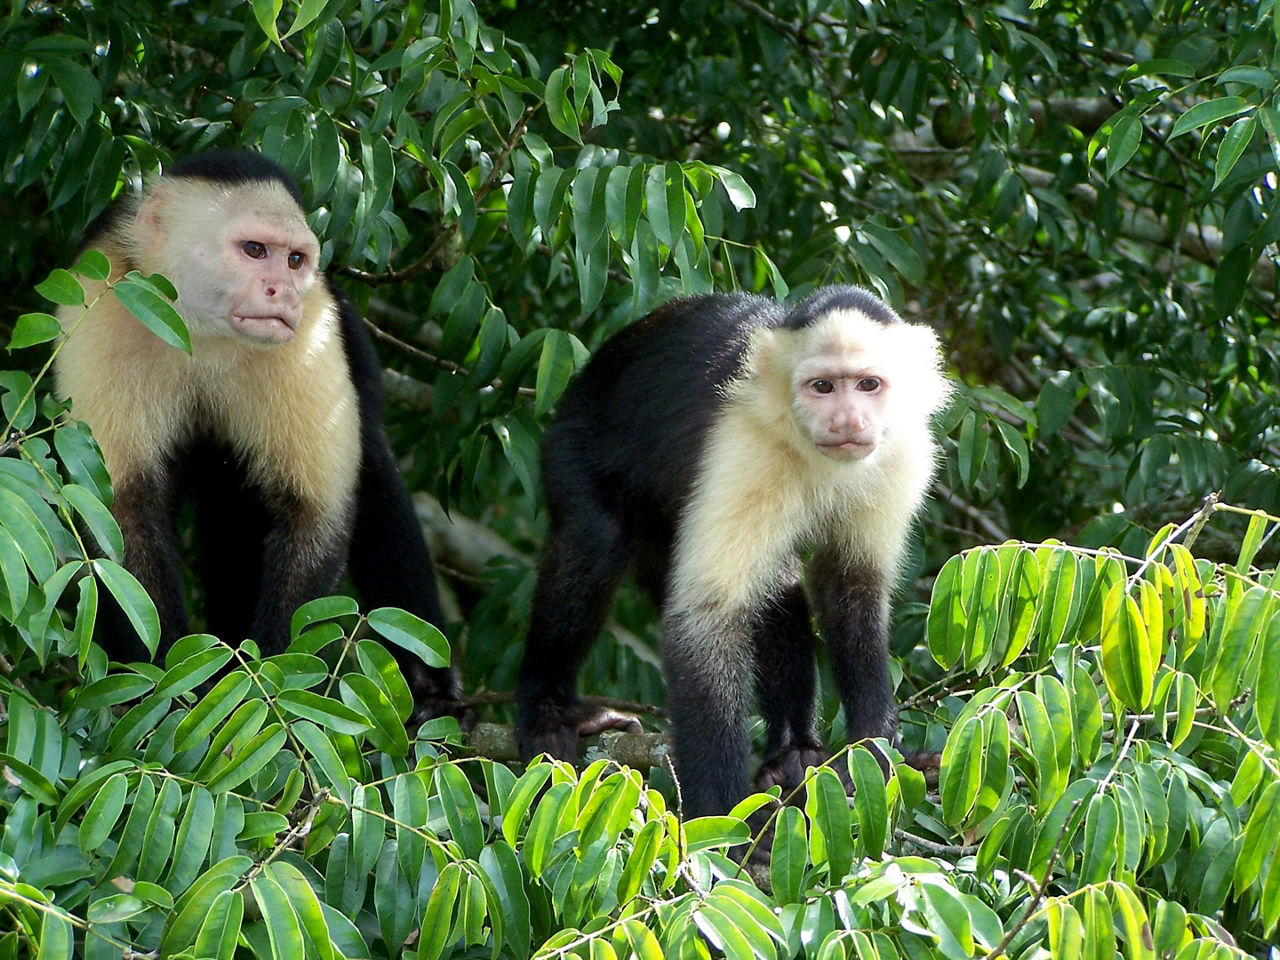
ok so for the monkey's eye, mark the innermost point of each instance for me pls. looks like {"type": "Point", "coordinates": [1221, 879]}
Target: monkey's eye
{"type": "Point", "coordinates": [869, 384]}
{"type": "Point", "coordinates": [296, 260]}
{"type": "Point", "coordinates": [822, 386]}
{"type": "Point", "coordinates": [254, 249]}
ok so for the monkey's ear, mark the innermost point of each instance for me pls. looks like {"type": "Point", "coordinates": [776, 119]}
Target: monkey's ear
{"type": "Point", "coordinates": [150, 224]}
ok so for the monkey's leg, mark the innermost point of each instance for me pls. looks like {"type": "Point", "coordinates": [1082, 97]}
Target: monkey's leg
{"type": "Point", "coordinates": [302, 558]}
{"type": "Point", "coordinates": [143, 508]}
{"type": "Point", "coordinates": [707, 661]}
{"type": "Point", "coordinates": [852, 598]}
{"type": "Point", "coordinates": [391, 567]}
{"type": "Point", "coordinates": [787, 684]}
{"type": "Point", "coordinates": [582, 562]}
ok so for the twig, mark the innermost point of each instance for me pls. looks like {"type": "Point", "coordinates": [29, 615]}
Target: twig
{"type": "Point", "coordinates": [440, 362]}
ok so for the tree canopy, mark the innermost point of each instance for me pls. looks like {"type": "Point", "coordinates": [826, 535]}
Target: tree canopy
{"type": "Point", "coordinates": [1082, 200]}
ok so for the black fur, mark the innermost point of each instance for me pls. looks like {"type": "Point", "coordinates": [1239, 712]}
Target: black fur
{"type": "Point", "coordinates": [618, 466]}
{"type": "Point", "coordinates": [234, 166]}
{"type": "Point", "coordinates": [839, 297]}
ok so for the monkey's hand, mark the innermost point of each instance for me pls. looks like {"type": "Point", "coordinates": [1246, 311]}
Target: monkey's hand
{"type": "Point", "coordinates": [556, 728]}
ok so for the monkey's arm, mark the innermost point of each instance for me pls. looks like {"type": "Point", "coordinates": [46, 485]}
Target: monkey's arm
{"type": "Point", "coordinates": [143, 508]}
{"type": "Point", "coordinates": [707, 661]}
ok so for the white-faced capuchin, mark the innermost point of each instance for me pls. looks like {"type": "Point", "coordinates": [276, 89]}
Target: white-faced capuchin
{"type": "Point", "coordinates": [706, 448]}
{"type": "Point", "coordinates": [271, 428]}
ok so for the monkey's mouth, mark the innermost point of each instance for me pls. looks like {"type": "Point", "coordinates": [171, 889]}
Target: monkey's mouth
{"type": "Point", "coordinates": [847, 449]}
{"type": "Point", "coordinates": [273, 329]}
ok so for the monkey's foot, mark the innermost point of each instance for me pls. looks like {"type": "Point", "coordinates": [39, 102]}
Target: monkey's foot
{"type": "Point", "coordinates": [786, 767]}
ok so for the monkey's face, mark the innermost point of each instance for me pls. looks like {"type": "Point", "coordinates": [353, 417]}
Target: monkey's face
{"type": "Point", "coordinates": [260, 269]}
{"type": "Point", "coordinates": [839, 407]}
{"type": "Point", "coordinates": [243, 262]}
{"type": "Point", "coordinates": [271, 266]}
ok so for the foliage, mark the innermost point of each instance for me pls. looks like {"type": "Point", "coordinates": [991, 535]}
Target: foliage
{"type": "Point", "coordinates": [1082, 198]}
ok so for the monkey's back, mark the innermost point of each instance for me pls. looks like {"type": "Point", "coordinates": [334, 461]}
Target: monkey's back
{"type": "Point", "coordinates": [637, 416]}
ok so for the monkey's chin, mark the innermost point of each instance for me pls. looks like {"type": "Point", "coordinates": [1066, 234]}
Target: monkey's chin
{"type": "Point", "coordinates": [846, 452]}
{"type": "Point", "coordinates": [263, 329]}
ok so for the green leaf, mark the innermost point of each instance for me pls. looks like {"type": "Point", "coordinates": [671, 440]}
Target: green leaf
{"type": "Point", "coordinates": [412, 633]}
{"type": "Point", "coordinates": [870, 802]}
{"type": "Point", "coordinates": [945, 627]}
{"type": "Point", "coordinates": [113, 689]}
{"type": "Point", "coordinates": [92, 264]}
{"type": "Point", "coordinates": [961, 773]}
{"type": "Point", "coordinates": [80, 89]}
{"type": "Point", "coordinates": [1207, 112]}
{"type": "Point", "coordinates": [1056, 404]}
{"type": "Point", "coordinates": [148, 299]}
{"type": "Point", "coordinates": [554, 369]}
{"type": "Point", "coordinates": [1038, 728]}
{"type": "Point", "coordinates": [948, 919]}
{"type": "Point", "coordinates": [897, 251]}
{"type": "Point", "coordinates": [828, 811]}
{"type": "Point", "coordinates": [1234, 142]}
{"type": "Point", "coordinates": [387, 732]}
{"type": "Point", "coordinates": [62, 288]}
{"type": "Point", "coordinates": [103, 812]}
{"type": "Point", "coordinates": [211, 709]}
{"type": "Point", "coordinates": [460, 809]}
{"type": "Point", "coordinates": [133, 599]}
{"type": "Point", "coordinates": [82, 459]}
{"type": "Point", "coordinates": [1261, 836]}
{"type": "Point", "coordinates": [1066, 930]}
{"type": "Point", "coordinates": [29, 780]}
{"type": "Point", "coordinates": [249, 759]}
{"type": "Point", "coordinates": [740, 193]}
{"type": "Point", "coordinates": [28, 534]}
{"type": "Point", "coordinates": [1267, 695]}
{"type": "Point", "coordinates": [378, 664]}
{"type": "Point", "coordinates": [328, 713]}
{"type": "Point", "coordinates": [438, 916]}
{"type": "Point", "coordinates": [56, 936]}
{"type": "Point", "coordinates": [305, 906]}
{"type": "Point", "coordinates": [220, 929]}
{"type": "Point", "coordinates": [307, 13]}
{"type": "Point", "coordinates": [664, 200]}
{"type": "Point", "coordinates": [283, 928]}
{"type": "Point", "coordinates": [319, 610]}
{"type": "Point", "coordinates": [189, 673]}
{"type": "Point", "coordinates": [1246, 621]}
{"type": "Point", "coordinates": [195, 831]}
{"type": "Point", "coordinates": [1101, 837]}
{"type": "Point", "coordinates": [1126, 137]}
{"type": "Point", "coordinates": [97, 518]}
{"type": "Point", "coordinates": [560, 108]}
{"type": "Point", "coordinates": [526, 790]}
{"type": "Point", "coordinates": [33, 328]}
{"type": "Point", "coordinates": [1127, 663]}
{"type": "Point", "coordinates": [266, 12]}
{"type": "Point", "coordinates": [331, 770]}
{"type": "Point", "coordinates": [724, 933]}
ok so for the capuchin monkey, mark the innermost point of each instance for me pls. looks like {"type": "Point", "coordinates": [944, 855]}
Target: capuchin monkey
{"type": "Point", "coordinates": [271, 428]}
{"type": "Point", "coordinates": [707, 448]}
